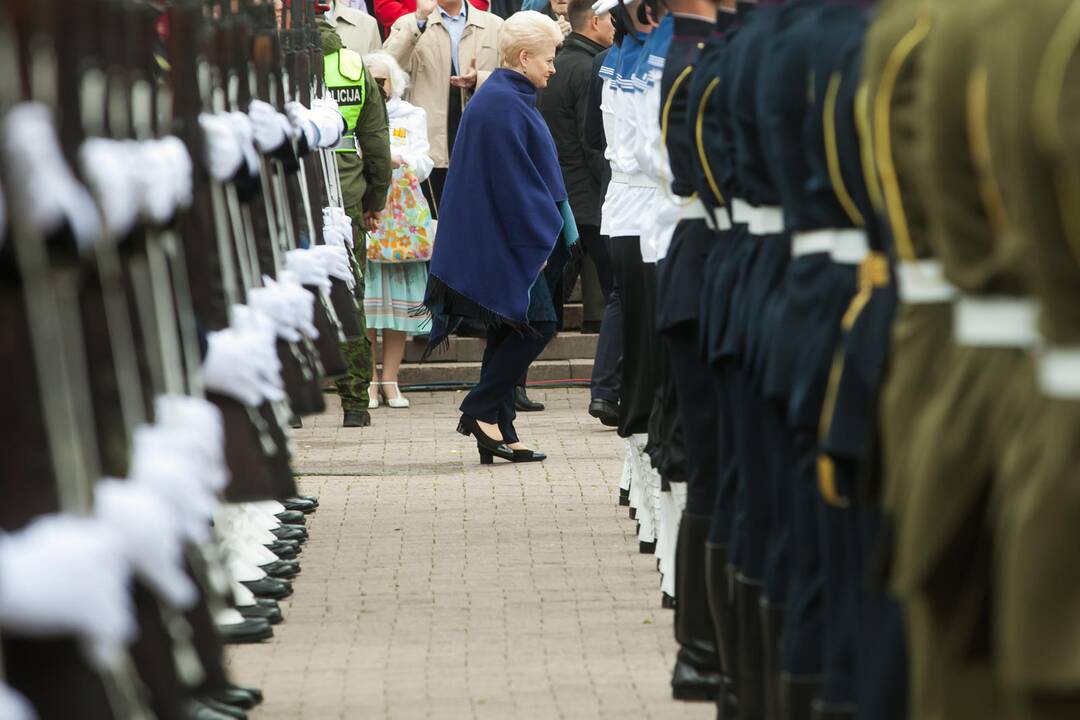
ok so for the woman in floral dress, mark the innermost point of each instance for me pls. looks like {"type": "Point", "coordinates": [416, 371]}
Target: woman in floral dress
{"type": "Point", "coordinates": [398, 251]}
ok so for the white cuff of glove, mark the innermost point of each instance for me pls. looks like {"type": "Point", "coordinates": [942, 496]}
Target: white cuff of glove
{"type": "Point", "coordinates": [153, 539]}
{"type": "Point", "coordinates": [48, 191]}
{"type": "Point", "coordinates": [63, 575]}
{"type": "Point", "coordinates": [222, 155]}
{"type": "Point", "coordinates": [307, 268]}
{"type": "Point", "coordinates": [165, 465]}
{"type": "Point", "coordinates": [268, 131]}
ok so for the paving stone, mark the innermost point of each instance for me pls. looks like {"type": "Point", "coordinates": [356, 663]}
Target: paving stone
{"type": "Point", "coordinates": [434, 587]}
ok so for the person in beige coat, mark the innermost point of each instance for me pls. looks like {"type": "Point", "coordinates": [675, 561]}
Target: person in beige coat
{"type": "Point", "coordinates": [359, 31]}
{"type": "Point", "coordinates": [448, 48]}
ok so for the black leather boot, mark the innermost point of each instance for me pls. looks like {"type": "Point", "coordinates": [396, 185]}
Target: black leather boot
{"type": "Point", "coordinates": [772, 627]}
{"type": "Point", "coordinates": [356, 418]}
{"type": "Point", "coordinates": [798, 696]}
{"type": "Point", "coordinates": [522, 402]}
{"type": "Point", "coordinates": [696, 676]}
{"type": "Point", "coordinates": [722, 611]}
{"type": "Point", "coordinates": [751, 679]}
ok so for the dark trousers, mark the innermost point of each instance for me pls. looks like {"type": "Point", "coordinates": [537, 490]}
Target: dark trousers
{"type": "Point", "coordinates": [507, 356]}
{"type": "Point", "coordinates": [700, 421]}
{"type": "Point", "coordinates": [606, 374]}
{"type": "Point", "coordinates": [638, 386]}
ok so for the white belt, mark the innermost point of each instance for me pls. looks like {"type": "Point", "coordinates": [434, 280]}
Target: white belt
{"type": "Point", "coordinates": [808, 243]}
{"type": "Point", "coordinates": [1000, 321]}
{"type": "Point", "coordinates": [721, 220]}
{"type": "Point", "coordinates": [741, 210]}
{"type": "Point", "coordinates": [1059, 372]}
{"type": "Point", "coordinates": [850, 246]}
{"type": "Point", "coordinates": [766, 220]}
{"type": "Point", "coordinates": [633, 180]}
{"type": "Point", "coordinates": [922, 282]}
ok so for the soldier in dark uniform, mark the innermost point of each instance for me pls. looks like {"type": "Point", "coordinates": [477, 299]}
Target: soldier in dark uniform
{"type": "Point", "coordinates": [706, 130]}
{"type": "Point", "coordinates": [680, 277]}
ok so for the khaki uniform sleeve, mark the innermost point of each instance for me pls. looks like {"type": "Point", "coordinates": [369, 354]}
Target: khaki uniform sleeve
{"type": "Point", "coordinates": [373, 138]}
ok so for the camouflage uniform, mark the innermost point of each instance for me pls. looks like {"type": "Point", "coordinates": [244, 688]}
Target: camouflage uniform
{"type": "Point", "coordinates": [365, 179]}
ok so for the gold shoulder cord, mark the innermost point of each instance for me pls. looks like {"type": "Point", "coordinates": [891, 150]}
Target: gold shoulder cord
{"type": "Point", "coordinates": [699, 136]}
{"type": "Point", "coordinates": [866, 146]}
{"type": "Point", "coordinates": [894, 201]}
{"type": "Point", "coordinates": [979, 142]}
{"type": "Point", "coordinates": [664, 119]}
{"type": "Point", "coordinates": [832, 154]}
{"type": "Point", "coordinates": [1049, 87]}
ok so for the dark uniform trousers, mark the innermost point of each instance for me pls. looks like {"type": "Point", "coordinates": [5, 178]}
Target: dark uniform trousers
{"type": "Point", "coordinates": [639, 378]}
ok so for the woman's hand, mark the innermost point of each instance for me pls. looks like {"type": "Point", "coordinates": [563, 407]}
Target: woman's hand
{"type": "Point", "coordinates": [397, 160]}
{"type": "Point", "coordinates": [371, 221]}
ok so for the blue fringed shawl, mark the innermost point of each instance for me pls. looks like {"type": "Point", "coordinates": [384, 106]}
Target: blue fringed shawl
{"type": "Point", "coordinates": [501, 213]}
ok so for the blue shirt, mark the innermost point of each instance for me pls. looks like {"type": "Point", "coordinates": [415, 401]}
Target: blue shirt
{"type": "Point", "coordinates": [455, 25]}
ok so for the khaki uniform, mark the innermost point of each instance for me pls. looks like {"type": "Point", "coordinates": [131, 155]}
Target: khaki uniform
{"type": "Point", "coordinates": [1031, 112]}
{"type": "Point", "coordinates": [971, 462]}
{"type": "Point", "coordinates": [891, 117]}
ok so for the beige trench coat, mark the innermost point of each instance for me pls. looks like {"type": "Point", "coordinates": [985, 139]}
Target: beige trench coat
{"type": "Point", "coordinates": [426, 57]}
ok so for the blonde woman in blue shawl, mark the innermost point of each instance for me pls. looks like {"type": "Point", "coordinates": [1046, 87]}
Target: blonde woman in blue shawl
{"type": "Point", "coordinates": [505, 231]}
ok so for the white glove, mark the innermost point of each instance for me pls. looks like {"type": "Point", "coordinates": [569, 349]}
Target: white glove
{"type": "Point", "coordinates": [301, 302]}
{"type": "Point", "coordinates": [14, 706]}
{"type": "Point", "coordinates": [307, 268]}
{"type": "Point", "coordinates": [302, 119]}
{"type": "Point", "coordinates": [153, 537]}
{"type": "Point", "coordinates": [178, 159]}
{"type": "Point", "coordinates": [64, 575]}
{"type": "Point", "coordinates": [166, 466]}
{"type": "Point", "coordinates": [222, 154]}
{"type": "Point", "coordinates": [245, 136]}
{"type": "Point", "coordinates": [272, 302]}
{"type": "Point", "coordinates": [331, 124]}
{"type": "Point", "coordinates": [197, 423]}
{"type": "Point", "coordinates": [269, 133]}
{"type": "Point", "coordinates": [239, 365]}
{"type": "Point", "coordinates": [335, 217]}
{"type": "Point", "coordinates": [108, 166]}
{"type": "Point", "coordinates": [48, 191]}
{"type": "Point", "coordinates": [155, 180]}
{"type": "Point", "coordinates": [335, 260]}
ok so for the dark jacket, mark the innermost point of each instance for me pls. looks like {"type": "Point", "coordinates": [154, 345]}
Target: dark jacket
{"type": "Point", "coordinates": [563, 105]}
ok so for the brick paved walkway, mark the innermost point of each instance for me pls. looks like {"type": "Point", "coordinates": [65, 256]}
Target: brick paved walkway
{"type": "Point", "coordinates": [433, 587]}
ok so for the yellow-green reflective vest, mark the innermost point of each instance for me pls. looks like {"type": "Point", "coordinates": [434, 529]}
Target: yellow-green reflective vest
{"type": "Point", "coordinates": [344, 77]}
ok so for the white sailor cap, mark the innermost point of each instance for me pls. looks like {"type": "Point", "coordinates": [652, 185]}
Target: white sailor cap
{"type": "Point", "coordinates": [603, 7]}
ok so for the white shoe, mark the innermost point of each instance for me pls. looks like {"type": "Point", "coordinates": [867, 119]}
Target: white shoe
{"type": "Point", "coordinates": [400, 401]}
{"type": "Point", "coordinates": [373, 395]}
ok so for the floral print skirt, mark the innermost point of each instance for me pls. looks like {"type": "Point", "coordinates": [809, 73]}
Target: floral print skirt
{"type": "Point", "coordinates": [392, 290]}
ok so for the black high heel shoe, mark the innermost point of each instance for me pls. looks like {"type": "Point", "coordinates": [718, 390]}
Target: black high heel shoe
{"type": "Point", "coordinates": [488, 447]}
{"type": "Point", "coordinates": [528, 456]}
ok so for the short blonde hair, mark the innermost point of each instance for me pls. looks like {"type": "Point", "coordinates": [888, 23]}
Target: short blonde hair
{"type": "Point", "coordinates": [399, 79]}
{"type": "Point", "coordinates": [526, 31]}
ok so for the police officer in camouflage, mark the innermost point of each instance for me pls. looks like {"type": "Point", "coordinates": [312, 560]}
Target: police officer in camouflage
{"type": "Point", "coordinates": [364, 166]}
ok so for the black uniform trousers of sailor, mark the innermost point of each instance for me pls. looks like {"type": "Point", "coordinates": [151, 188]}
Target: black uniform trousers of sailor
{"type": "Point", "coordinates": [639, 377]}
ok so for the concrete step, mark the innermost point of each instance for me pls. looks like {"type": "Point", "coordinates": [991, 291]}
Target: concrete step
{"type": "Point", "coordinates": [565, 346]}
{"type": "Point", "coordinates": [469, 372]}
